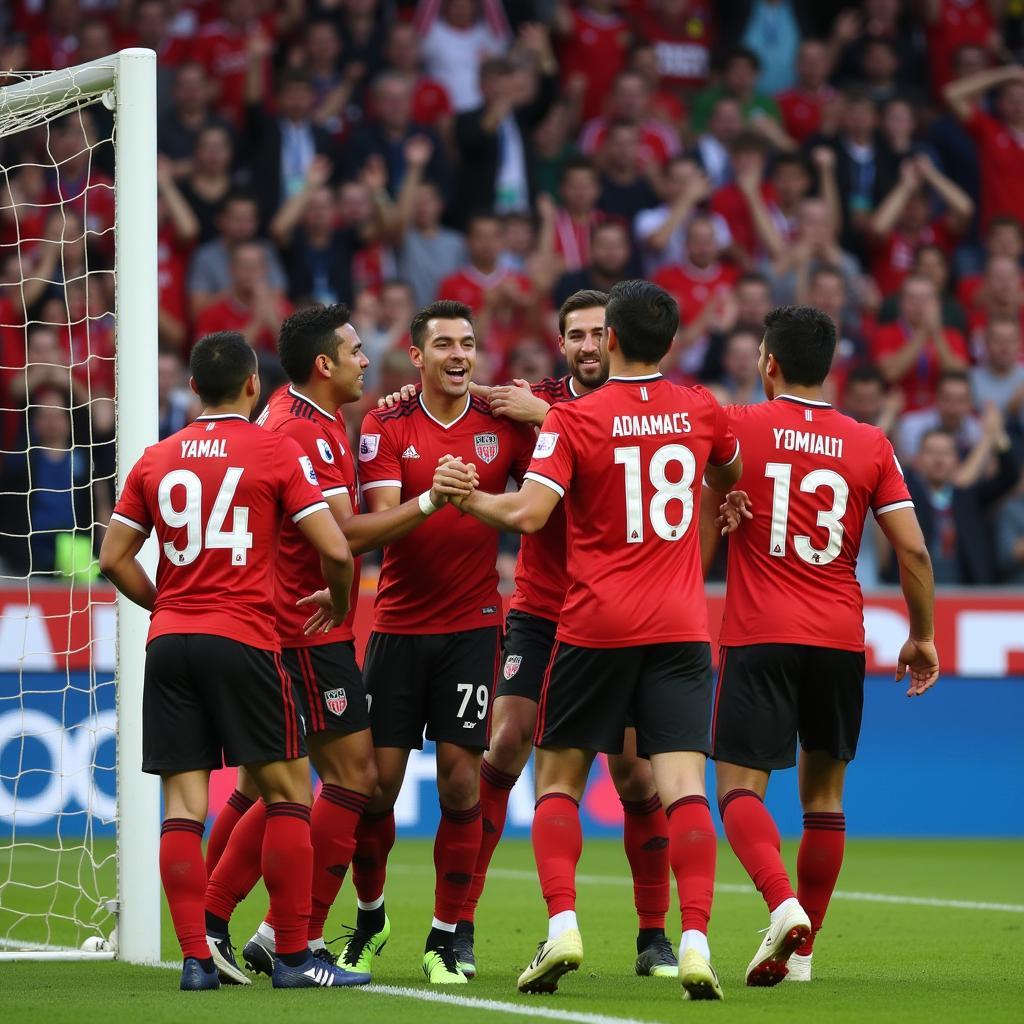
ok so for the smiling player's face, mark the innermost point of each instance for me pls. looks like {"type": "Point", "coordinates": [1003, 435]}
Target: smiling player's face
{"type": "Point", "coordinates": [448, 356]}
{"type": "Point", "coordinates": [583, 344]}
{"type": "Point", "coordinates": [350, 365]}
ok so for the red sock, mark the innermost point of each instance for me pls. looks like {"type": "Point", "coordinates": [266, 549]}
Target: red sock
{"type": "Point", "coordinates": [755, 840]}
{"type": "Point", "coordinates": [817, 866]}
{"type": "Point", "coordinates": [692, 849]}
{"type": "Point", "coordinates": [495, 787]}
{"type": "Point", "coordinates": [557, 845]}
{"type": "Point", "coordinates": [456, 849]}
{"type": "Point", "coordinates": [288, 873]}
{"type": "Point", "coordinates": [645, 837]}
{"type": "Point", "coordinates": [336, 813]}
{"type": "Point", "coordinates": [375, 835]}
{"type": "Point", "coordinates": [239, 868]}
{"type": "Point", "coordinates": [183, 874]}
{"type": "Point", "coordinates": [223, 825]}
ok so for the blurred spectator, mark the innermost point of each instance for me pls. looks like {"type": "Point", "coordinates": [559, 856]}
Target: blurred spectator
{"type": "Point", "coordinates": [57, 44]}
{"type": "Point", "coordinates": [681, 33]}
{"type": "Point", "coordinates": [383, 325]}
{"type": "Point", "coordinates": [576, 218]}
{"type": "Point", "coordinates": [209, 178]}
{"type": "Point", "coordinates": [625, 178]}
{"type": "Point", "coordinates": [772, 32]}
{"type": "Point", "coordinates": [661, 231]}
{"type": "Point", "coordinates": [952, 413]}
{"type": "Point", "coordinates": [333, 88]}
{"type": "Point", "coordinates": [713, 146]}
{"type": "Point", "coordinates": [431, 104]}
{"type": "Point", "coordinates": [866, 399]}
{"type": "Point", "coordinates": [177, 405]}
{"type": "Point", "coordinates": [551, 150]}
{"type": "Point", "coordinates": [803, 106]}
{"type": "Point", "coordinates": [740, 72]}
{"type": "Point", "coordinates": [427, 252]}
{"type": "Point", "coordinates": [389, 129]}
{"type": "Point", "coordinates": [630, 103]}
{"type": "Point", "coordinates": [878, 19]}
{"type": "Point", "coordinates": [932, 262]}
{"type": "Point", "coordinates": [491, 138]}
{"type": "Point", "coordinates": [1001, 296]}
{"type": "Point", "coordinates": [457, 40]}
{"type": "Point", "coordinates": [593, 47]}
{"type": "Point", "coordinates": [177, 131]}
{"type": "Point", "coordinates": [913, 352]}
{"type": "Point", "coordinates": [827, 290]}
{"type": "Point", "coordinates": [952, 499]}
{"type": "Point", "coordinates": [177, 230]}
{"type": "Point", "coordinates": [209, 274]}
{"type": "Point", "coordinates": [610, 258]}
{"type": "Point", "coordinates": [531, 361]}
{"type": "Point", "coordinates": [1004, 237]}
{"type": "Point", "coordinates": [283, 145]}
{"type": "Point", "coordinates": [999, 139]}
{"type": "Point", "coordinates": [952, 24]}
{"type": "Point", "coordinates": [250, 305]}
{"type": "Point", "coordinates": [744, 203]}
{"type": "Point", "coordinates": [741, 381]}
{"type": "Point", "coordinates": [999, 380]}
{"type": "Point", "coordinates": [1010, 540]}
{"type": "Point", "coordinates": [879, 71]}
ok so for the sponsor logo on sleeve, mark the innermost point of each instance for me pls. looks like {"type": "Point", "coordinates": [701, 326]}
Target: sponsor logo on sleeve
{"type": "Point", "coordinates": [546, 441]}
{"type": "Point", "coordinates": [325, 450]}
{"type": "Point", "coordinates": [308, 471]}
{"type": "Point", "coordinates": [368, 445]}
{"type": "Point", "coordinates": [486, 447]}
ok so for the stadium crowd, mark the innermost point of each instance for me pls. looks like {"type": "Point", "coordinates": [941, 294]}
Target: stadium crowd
{"type": "Point", "coordinates": [864, 159]}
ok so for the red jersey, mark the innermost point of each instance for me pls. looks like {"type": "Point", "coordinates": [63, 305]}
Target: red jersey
{"type": "Point", "coordinates": [730, 203]}
{"type": "Point", "coordinates": [893, 257]}
{"type": "Point", "coordinates": [1001, 158]}
{"type": "Point", "coordinates": [597, 50]}
{"type": "Point", "coordinates": [658, 141]}
{"type": "Point", "coordinates": [683, 50]}
{"type": "Point", "coordinates": [812, 475]}
{"type": "Point", "coordinates": [216, 493]}
{"type": "Point", "coordinates": [628, 458]}
{"type": "Point", "coordinates": [960, 23]}
{"type": "Point", "coordinates": [229, 315]}
{"type": "Point", "coordinates": [442, 577]}
{"type": "Point", "coordinates": [801, 112]}
{"type": "Point", "coordinates": [430, 102]}
{"type": "Point", "coordinates": [692, 287]}
{"type": "Point", "coordinates": [919, 382]}
{"type": "Point", "coordinates": [324, 442]}
{"type": "Point", "coordinates": [224, 51]}
{"type": "Point", "coordinates": [541, 574]}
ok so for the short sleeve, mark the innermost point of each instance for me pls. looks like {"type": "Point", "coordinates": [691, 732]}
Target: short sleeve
{"type": "Point", "coordinates": [298, 485]}
{"type": "Point", "coordinates": [891, 491]}
{"type": "Point", "coordinates": [131, 508]}
{"type": "Point", "coordinates": [379, 461]}
{"type": "Point", "coordinates": [554, 461]}
{"type": "Point", "coordinates": [725, 446]}
{"type": "Point", "coordinates": [317, 445]}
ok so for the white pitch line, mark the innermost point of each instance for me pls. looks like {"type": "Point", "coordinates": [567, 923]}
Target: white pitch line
{"type": "Point", "coordinates": [733, 888]}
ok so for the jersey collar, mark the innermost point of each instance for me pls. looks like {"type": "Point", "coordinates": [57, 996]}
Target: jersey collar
{"type": "Point", "coordinates": [445, 426]}
{"type": "Point", "coordinates": [221, 416]}
{"type": "Point", "coordinates": [308, 401]}
{"type": "Point", "coordinates": [571, 386]}
{"type": "Point", "coordinates": [646, 378]}
{"type": "Point", "coordinates": [805, 401]}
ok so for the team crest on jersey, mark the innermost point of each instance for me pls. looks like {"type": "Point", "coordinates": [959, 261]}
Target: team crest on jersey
{"type": "Point", "coordinates": [486, 446]}
{"type": "Point", "coordinates": [368, 445]}
{"type": "Point", "coordinates": [325, 449]}
{"type": "Point", "coordinates": [512, 663]}
{"type": "Point", "coordinates": [336, 701]}
{"type": "Point", "coordinates": [308, 471]}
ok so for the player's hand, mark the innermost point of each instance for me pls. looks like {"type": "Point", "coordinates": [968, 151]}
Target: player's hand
{"type": "Point", "coordinates": [407, 392]}
{"type": "Point", "coordinates": [323, 619]}
{"type": "Point", "coordinates": [733, 511]}
{"type": "Point", "coordinates": [516, 401]}
{"type": "Point", "coordinates": [454, 481]}
{"type": "Point", "coordinates": [920, 658]}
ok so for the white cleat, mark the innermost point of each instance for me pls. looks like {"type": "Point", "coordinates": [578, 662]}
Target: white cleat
{"type": "Point", "coordinates": [781, 941]}
{"type": "Point", "coordinates": [555, 958]}
{"type": "Point", "coordinates": [799, 967]}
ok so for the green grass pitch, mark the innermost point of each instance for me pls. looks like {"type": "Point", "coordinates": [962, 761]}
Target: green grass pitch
{"type": "Point", "coordinates": [881, 961]}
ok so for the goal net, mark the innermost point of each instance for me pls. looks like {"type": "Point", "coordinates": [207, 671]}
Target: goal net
{"type": "Point", "coordinates": [78, 400]}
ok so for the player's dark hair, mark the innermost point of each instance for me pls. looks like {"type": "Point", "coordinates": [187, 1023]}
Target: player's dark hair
{"type": "Point", "coordinates": [803, 341]}
{"type": "Point", "coordinates": [937, 432]}
{"type": "Point", "coordinates": [443, 309]}
{"type": "Point", "coordinates": [308, 334]}
{"type": "Point", "coordinates": [220, 365]}
{"type": "Point", "coordinates": [587, 298]}
{"type": "Point", "coordinates": [645, 319]}
{"type": "Point", "coordinates": [791, 160]}
{"type": "Point", "coordinates": [749, 142]}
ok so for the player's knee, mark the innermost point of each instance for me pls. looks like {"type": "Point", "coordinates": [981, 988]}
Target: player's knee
{"type": "Point", "coordinates": [633, 779]}
{"type": "Point", "coordinates": [459, 785]}
{"type": "Point", "coordinates": [510, 747]}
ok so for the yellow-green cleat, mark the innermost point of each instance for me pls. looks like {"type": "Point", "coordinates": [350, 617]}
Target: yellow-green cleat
{"type": "Point", "coordinates": [555, 958]}
{"type": "Point", "coordinates": [698, 977]}
{"type": "Point", "coordinates": [440, 968]}
{"type": "Point", "coordinates": [362, 945]}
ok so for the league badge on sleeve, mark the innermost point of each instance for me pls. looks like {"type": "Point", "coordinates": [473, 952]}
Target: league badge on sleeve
{"type": "Point", "coordinates": [308, 471]}
{"type": "Point", "coordinates": [325, 450]}
{"type": "Point", "coordinates": [546, 441]}
{"type": "Point", "coordinates": [336, 702]}
{"type": "Point", "coordinates": [512, 663]}
{"type": "Point", "coordinates": [368, 445]}
{"type": "Point", "coordinates": [486, 447]}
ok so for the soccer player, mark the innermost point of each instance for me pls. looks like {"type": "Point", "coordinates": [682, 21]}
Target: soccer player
{"type": "Point", "coordinates": [632, 640]}
{"type": "Point", "coordinates": [217, 494]}
{"type": "Point", "coordinates": [436, 639]}
{"type": "Point", "coordinates": [322, 354]}
{"type": "Point", "coordinates": [540, 585]}
{"type": "Point", "coordinates": [792, 640]}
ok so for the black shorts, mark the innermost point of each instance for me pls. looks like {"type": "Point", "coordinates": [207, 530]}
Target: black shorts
{"type": "Point", "coordinates": [439, 681]}
{"type": "Point", "coordinates": [210, 701]}
{"type": "Point", "coordinates": [529, 640]}
{"type": "Point", "coordinates": [770, 694]}
{"type": "Point", "coordinates": [328, 687]}
{"type": "Point", "coordinates": [592, 694]}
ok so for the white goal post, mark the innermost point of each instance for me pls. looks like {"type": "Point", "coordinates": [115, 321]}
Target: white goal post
{"type": "Point", "coordinates": [125, 83]}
